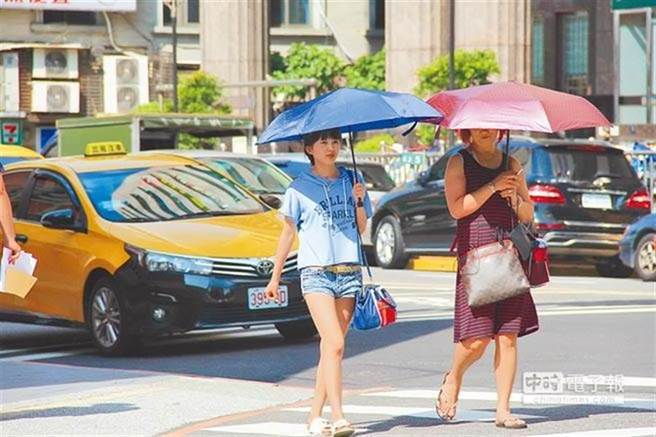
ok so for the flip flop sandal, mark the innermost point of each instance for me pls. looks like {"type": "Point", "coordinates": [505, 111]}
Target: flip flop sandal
{"type": "Point", "coordinates": [319, 427]}
{"type": "Point", "coordinates": [511, 423]}
{"type": "Point", "coordinates": [444, 415]}
{"type": "Point", "coordinates": [343, 428]}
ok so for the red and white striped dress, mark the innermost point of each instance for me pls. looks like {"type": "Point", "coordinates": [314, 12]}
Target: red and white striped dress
{"type": "Point", "coordinates": [513, 315]}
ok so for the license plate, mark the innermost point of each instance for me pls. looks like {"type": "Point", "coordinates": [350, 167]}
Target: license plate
{"type": "Point", "coordinates": [257, 300]}
{"type": "Point", "coordinates": [598, 201]}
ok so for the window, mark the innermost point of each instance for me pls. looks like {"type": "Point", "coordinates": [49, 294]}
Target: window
{"type": "Point", "coordinates": [188, 13]}
{"type": "Point", "coordinates": [537, 43]}
{"type": "Point", "coordinates": [14, 184]}
{"type": "Point", "coordinates": [377, 14]}
{"type": "Point", "coordinates": [290, 13]}
{"type": "Point", "coordinates": [70, 17]}
{"type": "Point", "coordinates": [574, 53]}
{"type": "Point", "coordinates": [48, 195]}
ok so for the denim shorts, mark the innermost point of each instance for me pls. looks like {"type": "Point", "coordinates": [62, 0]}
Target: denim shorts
{"type": "Point", "coordinates": [337, 285]}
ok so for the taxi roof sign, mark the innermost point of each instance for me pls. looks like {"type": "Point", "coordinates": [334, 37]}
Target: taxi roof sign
{"type": "Point", "coordinates": [105, 148]}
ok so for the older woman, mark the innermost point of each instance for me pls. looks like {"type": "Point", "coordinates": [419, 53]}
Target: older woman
{"type": "Point", "coordinates": [482, 197]}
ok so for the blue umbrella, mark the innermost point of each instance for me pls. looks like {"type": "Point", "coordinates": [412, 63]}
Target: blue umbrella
{"type": "Point", "coordinates": [349, 110]}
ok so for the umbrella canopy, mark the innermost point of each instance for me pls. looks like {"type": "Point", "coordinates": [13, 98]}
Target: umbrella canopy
{"type": "Point", "coordinates": [349, 110]}
{"type": "Point", "coordinates": [515, 106]}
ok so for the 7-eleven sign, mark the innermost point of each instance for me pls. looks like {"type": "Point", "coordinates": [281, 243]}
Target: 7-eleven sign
{"type": "Point", "coordinates": [12, 132]}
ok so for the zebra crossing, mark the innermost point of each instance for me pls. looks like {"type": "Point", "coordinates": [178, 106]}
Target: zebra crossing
{"type": "Point", "coordinates": [411, 412]}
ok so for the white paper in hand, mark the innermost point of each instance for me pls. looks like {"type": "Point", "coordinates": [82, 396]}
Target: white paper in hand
{"type": "Point", "coordinates": [25, 262]}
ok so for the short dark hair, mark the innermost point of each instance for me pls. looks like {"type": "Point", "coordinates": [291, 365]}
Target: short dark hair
{"type": "Point", "coordinates": [313, 137]}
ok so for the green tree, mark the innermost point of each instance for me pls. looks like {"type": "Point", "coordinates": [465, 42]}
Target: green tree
{"type": "Point", "coordinates": [305, 61]}
{"type": "Point", "coordinates": [471, 68]}
{"type": "Point", "coordinates": [367, 72]}
{"type": "Point", "coordinates": [198, 92]}
{"type": "Point", "coordinates": [373, 144]}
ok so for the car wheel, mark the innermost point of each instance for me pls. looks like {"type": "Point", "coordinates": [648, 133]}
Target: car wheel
{"type": "Point", "coordinates": [613, 268]}
{"type": "Point", "coordinates": [107, 320]}
{"type": "Point", "coordinates": [297, 330]}
{"type": "Point", "coordinates": [645, 258]}
{"type": "Point", "coordinates": [389, 249]}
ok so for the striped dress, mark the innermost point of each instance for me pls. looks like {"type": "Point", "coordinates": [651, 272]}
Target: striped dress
{"type": "Point", "coordinates": [513, 315]}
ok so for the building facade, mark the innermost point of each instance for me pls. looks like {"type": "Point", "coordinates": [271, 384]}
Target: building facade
{"type": "Point", "coordinates": [84, 57]}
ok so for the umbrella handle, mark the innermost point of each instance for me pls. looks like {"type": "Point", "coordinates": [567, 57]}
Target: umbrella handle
{"type": "Point", "coordinates": [355, 167]}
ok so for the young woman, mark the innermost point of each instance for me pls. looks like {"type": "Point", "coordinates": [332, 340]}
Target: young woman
{"type": "Point", "coordinates": [321, 205]}
{"type": "Point", "coordinates": [478, 191]}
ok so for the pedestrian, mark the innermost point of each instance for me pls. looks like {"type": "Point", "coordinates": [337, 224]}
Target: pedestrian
{"type": "Point", "coordinates": [7, 222]}
{"type": "Point", "coordinates": [321, 206]}
{"type": "Point", "coordinates": [478, 193]}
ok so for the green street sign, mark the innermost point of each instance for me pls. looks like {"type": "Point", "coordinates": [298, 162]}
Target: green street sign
{"type": "Point", "coordinates": [412, 158]}
{"type": "Point", "coordinates": [632, 4]}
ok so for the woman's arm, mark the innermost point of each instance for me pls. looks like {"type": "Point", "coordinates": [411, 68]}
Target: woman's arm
{"type": "Point", "coordinates": [287, 238]}
{"type": "Point", "coordinates": [521, 202]}
{"type": "Point", "coordinates": [460, 203]}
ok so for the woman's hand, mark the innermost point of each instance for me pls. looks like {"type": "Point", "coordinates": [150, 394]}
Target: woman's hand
{"type": "Point", "coordinates": [271, 291]}
{"type": "Point", "coordinates": [507, 180]}
{"type": "Point", "coordinates": [358, 192]}
{"type": "Point", "coordinates": [509, 194]}
{"type": "Point", "coordinates": [15, 250]}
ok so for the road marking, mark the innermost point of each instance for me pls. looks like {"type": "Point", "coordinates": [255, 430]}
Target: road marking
{"type": "Point", "coordinates": [377, 410]}
{"type": "Point", "coordinates": [638, 381]}
{"type": "Point", "coordinates": [473, 395]}
{"type": "Point", "coordinates": [619, 432]}
{"type": "Point", "coordinates": [448, 315]}
{"type": "Point", "coordinates": [268, 428]}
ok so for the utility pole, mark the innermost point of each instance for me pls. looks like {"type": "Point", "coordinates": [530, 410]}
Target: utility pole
{"type": "Point", "coordinates": [452, 49]}
{"type": "Point", "coordinates": [174, 31]}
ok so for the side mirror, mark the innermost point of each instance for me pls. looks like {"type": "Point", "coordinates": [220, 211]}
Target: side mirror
{"type": "Point", "coordinates": [422, 178]}
{"type": "Point", "coordinates": [59, 219]}
{"type": "Point", "coordinates": [272, 201]}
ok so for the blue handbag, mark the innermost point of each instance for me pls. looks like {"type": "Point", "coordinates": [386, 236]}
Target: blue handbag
{"type": "Point", "coordinates": [374, 306]}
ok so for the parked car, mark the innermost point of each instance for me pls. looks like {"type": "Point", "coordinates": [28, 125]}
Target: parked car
{"type": "Point", "coordinates": [256, 174]}
{"type": "Point", "coordinates": [638, 247]}
{"type": "Point", "coordinates": [377, 181]}
{"type": "Point", "coordinates": [133, 246]}
{"type": "Point", "coordinates": [11, 153]}
{"type": "Point", "coordinates": [585, 195]}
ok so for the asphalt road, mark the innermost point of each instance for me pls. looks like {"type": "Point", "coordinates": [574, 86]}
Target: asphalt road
{"type": "Point", "coordinates": [252, 383]}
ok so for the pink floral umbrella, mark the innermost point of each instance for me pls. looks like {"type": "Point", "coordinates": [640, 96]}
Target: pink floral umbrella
{"type": "Point", "coordinates": [515, 106]}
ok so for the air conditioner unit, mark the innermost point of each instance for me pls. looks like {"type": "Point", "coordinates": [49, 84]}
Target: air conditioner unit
{"type": "Point", "coordinates": [55, 96]}
{"type": "Point", "coordinates": [126, 82]}
{"type": "Point", "coordinates": [55, 64]}
{"type": "Point", "coordinates": [9, 85]}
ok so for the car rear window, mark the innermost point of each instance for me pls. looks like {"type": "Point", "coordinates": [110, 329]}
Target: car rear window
{"type": "Point", "coordinates": [376, 177]}
{"type": "Point", "coordinates": [587, 163]}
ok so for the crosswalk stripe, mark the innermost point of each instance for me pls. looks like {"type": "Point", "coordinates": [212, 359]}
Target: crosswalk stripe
{"type": "Point", "coordinates": [268, 428]}
{"type": "Point", "coordinates": [378, 410]}
{"type": "Point", "coordinates": [620, 432]}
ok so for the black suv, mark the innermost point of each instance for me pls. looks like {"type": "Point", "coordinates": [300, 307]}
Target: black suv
{"type": "Point", "coordinates": [585, 195]}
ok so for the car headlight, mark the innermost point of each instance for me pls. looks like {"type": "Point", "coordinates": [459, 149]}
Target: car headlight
{"type": "Point", "coordinates": [160, 262]}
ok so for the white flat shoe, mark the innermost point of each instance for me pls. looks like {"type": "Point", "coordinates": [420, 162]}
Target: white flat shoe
{"type": "Point", "coordinates": [319, 427]}
{"type": "Point", "coordinates": [343, 428]}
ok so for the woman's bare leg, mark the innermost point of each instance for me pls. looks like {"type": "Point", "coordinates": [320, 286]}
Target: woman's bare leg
{"type": "Point", "coordinates": [505, 368]}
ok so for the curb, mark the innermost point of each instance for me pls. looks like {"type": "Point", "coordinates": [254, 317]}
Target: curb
{"type": "Point", "coordinates": [434, 263]}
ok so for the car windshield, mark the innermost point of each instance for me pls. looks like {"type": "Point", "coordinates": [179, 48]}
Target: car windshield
{"type": "Point", "coordinates": [376, 177]}
{"type": "Point", "coordinates": [6, 161]}
{"type": "Point", "coordinates": [581, 164]}
{"type": "Point", "coordinates": [258, 176]}
{"type": "Point", "coordinates": [165, 193]}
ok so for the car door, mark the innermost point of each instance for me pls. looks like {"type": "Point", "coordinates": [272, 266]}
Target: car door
{"type": "Point", "coordinates": [15, 184]}
{"type": "Point", "coordinates": [59, 252]}
{"type": "Point", "coordinates": [427, 225]}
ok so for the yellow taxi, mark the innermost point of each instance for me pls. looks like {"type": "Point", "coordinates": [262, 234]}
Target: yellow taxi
{"type": "Point", "coordinates": [12, 153]}
{"type": "Point", "coordinates": [136, 245]}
